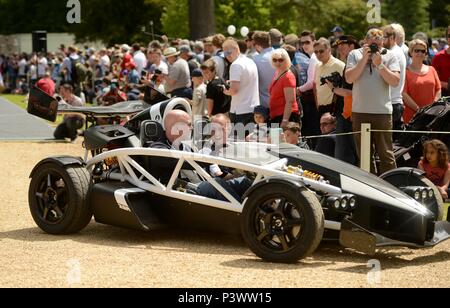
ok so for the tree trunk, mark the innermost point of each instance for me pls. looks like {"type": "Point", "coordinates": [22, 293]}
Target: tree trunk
{"type": "Point", "coordinates": [202, 19]}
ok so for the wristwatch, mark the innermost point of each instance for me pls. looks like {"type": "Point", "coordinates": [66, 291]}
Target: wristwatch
{"type": "Point", "coordinates": [381, 67]}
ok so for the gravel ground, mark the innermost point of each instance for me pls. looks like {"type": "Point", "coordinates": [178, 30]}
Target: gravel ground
{"type": "Point", "coordinates": [103, 256]}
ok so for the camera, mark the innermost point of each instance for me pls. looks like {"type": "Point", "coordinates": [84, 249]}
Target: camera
{"type": "Point", "coordinates": [225, 86]}
{"type": "Point", "coordinates": [374, 49]}
{"type": "Point", "coordinates": [156, 75]}
{"type": "Point", "coordinates": [335, 78]}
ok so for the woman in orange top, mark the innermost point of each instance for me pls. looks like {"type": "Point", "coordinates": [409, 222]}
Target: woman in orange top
{"type": "Point", "coordinates": [422, 86]}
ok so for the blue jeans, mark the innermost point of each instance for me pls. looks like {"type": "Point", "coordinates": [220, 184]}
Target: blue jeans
{"type": "Point", "coordinates": [235, 187]}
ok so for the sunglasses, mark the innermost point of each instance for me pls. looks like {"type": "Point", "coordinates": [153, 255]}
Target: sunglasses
{"type": "Point", "coordinates": [227, 53]}
{"type": "Point", "coordinates": [305, 43]}
{"type": "Point", "coordinates": [420, 51]}
{"type": "Point", "coordinates": [281, 60]}
{"type": "Point", "coordinates": [322, 51]}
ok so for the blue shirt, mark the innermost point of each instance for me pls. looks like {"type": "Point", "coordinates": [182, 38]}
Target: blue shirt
{"type": "Point", "coordinates": [303, 61]}
{"type": "Point", "coordinates": [265, 74]}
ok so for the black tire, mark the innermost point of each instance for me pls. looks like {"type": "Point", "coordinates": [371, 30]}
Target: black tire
{"type": "Point", "coordinates": [436, 206]}
{"type": "Point", "coordinates": [58, 198]}
{"type": "Point", "coordinates": [277, 211]}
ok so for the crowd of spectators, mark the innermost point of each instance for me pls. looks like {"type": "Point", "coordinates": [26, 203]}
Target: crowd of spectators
{"type": "Point", "coordinates": [268, 79]}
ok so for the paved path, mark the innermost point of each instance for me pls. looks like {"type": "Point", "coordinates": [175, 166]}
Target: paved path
{"type": "Point", "coordinates": [17, 124]}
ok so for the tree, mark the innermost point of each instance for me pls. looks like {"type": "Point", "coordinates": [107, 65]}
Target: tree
{"type": "Point", "coordinates": [440, 13]}
{"type": "Point", "coordinates": [413, 15]}
{"type": "Point", "coordinates": [202, 22]}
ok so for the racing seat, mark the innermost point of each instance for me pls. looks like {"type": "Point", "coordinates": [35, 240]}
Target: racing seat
{"type": "Point", "coordinates": [150, 132]}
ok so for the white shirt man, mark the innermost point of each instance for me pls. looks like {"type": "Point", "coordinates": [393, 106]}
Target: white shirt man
{"type": "Point", "coordinates": [244, 88]}
{"type": "Point", "coordinates": [141, 61]}
{"type": "Point", "coordinates": [42, 66]}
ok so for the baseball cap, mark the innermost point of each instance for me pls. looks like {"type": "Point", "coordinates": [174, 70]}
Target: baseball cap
{"type": "Point", "coordinates": [337, 29]}
{"type": "Point", "coordinates": [197, 73]}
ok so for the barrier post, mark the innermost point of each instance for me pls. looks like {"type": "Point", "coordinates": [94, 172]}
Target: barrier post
{"type": "Point", "coordinates": [366, 146]}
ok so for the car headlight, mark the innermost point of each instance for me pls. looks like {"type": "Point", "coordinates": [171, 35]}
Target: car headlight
{"type": "Point", "coordinates": [424, 194]}
{"type": "Point", "coordinates": [417, 195]}
{"type": "Point", "coordinates": [352, 203]}
{"type": "Point", "coordinates": [431, 193]}
{"type": "Point", "coordinates": [337, 204]}
{"type": "Point", "coordinates": [344, 203]}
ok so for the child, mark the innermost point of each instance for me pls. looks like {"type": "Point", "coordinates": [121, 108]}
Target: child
{"type": "Point", "coordinates": [293, 134]}
{"type": "Point", "coordinates": [199, 107]}
{"type": "Point", "coordinates": [261, 131]}
{"type": "Point", "coordinates": [435, 163]}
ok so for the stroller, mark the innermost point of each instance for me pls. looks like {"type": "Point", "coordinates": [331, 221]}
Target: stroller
{"type": "Point", "coordinates": [434, 118]}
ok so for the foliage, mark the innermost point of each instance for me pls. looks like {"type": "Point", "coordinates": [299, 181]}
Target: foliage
{"type": "Point", "coordinates": [114, 21]}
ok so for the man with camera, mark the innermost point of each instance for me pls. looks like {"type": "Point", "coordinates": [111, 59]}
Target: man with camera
{"type": "Point", "coordinates": [329, 68]}
{"type": "Point", "coordinates": [373, 71]}
{"type": "Point", "coordinates": [345, 149]}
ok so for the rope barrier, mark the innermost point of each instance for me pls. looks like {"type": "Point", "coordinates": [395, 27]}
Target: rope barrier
{"type": "Point", "coordinates": [380, 131]}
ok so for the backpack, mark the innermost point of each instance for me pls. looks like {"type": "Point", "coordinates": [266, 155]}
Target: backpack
{"type": "Point", "coordinates": [78, 72]}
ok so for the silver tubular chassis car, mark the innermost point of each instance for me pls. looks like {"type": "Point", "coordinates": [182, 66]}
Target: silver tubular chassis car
{"type": "Point", "coordinates": [297, 198]}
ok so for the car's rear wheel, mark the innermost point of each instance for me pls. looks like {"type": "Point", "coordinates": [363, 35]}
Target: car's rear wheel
{"type": "Point", "coordinates": [281, 224]}
{"type": "Point", "coordinates": [57, 198]}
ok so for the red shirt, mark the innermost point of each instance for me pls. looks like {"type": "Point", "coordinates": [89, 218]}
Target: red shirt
{"type": "Point", "coordinates": [277, 99]}
{"type": "Point", "coordinates": [435, 175]}
{"type": "Point", "coordinates": [422, 89]}
{"type": "Point", "coordinates": [441, 62]}
{"type": "Point", "coordinates": [47, 85]}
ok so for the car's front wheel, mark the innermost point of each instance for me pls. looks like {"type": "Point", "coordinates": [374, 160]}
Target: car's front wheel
{"type": "Point", "coordinates": [57, 198]}
{"type": "Point", "coordinates": [281, 224]}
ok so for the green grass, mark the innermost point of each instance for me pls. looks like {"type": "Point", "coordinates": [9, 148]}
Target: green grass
{"type": "Point", "coordinates": [20, 101]}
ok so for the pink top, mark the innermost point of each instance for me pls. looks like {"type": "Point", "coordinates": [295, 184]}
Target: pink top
{"type": "Point", "coordinates": [435, 175]}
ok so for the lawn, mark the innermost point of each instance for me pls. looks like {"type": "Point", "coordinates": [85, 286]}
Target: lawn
{"type": "Point", "coordinates": [20, 101]}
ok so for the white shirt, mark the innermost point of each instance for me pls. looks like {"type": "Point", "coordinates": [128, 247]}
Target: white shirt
{"type": "Point", "coordinates": [244, 70]}
{"type": "Point", "coordinates": [141, 61]}
{"type": "Point", "coordinates": [397, 92]}
{"type": "Point", "coordinates": [163, 67]}
{"type": "Point", "coordinates": [22, 67]}
{"type": "Point", "coordinates": [42, 67]}
{"type": "Point", "coordinates": [33, 72]}
{"type": "Point", "coordinates": [106, 62]}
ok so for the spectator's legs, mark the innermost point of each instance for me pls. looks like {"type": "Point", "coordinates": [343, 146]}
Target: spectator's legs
{"type": "Point", "coordinates": [397, 118]}
{"type": "Point", "coordinates": [311, 120]}
{"type": "Point", "coordinates": [205, 189]}
{"type": "Point", "coordinates": [345, 145]}
{"type": "Point", "coordinates": [242, 122]}
{"type": "Point", "coordinates": [383, 142]}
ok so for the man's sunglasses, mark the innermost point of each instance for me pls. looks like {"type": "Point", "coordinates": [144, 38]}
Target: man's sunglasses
{"type": "Point", "coordinates": [322, 51]}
